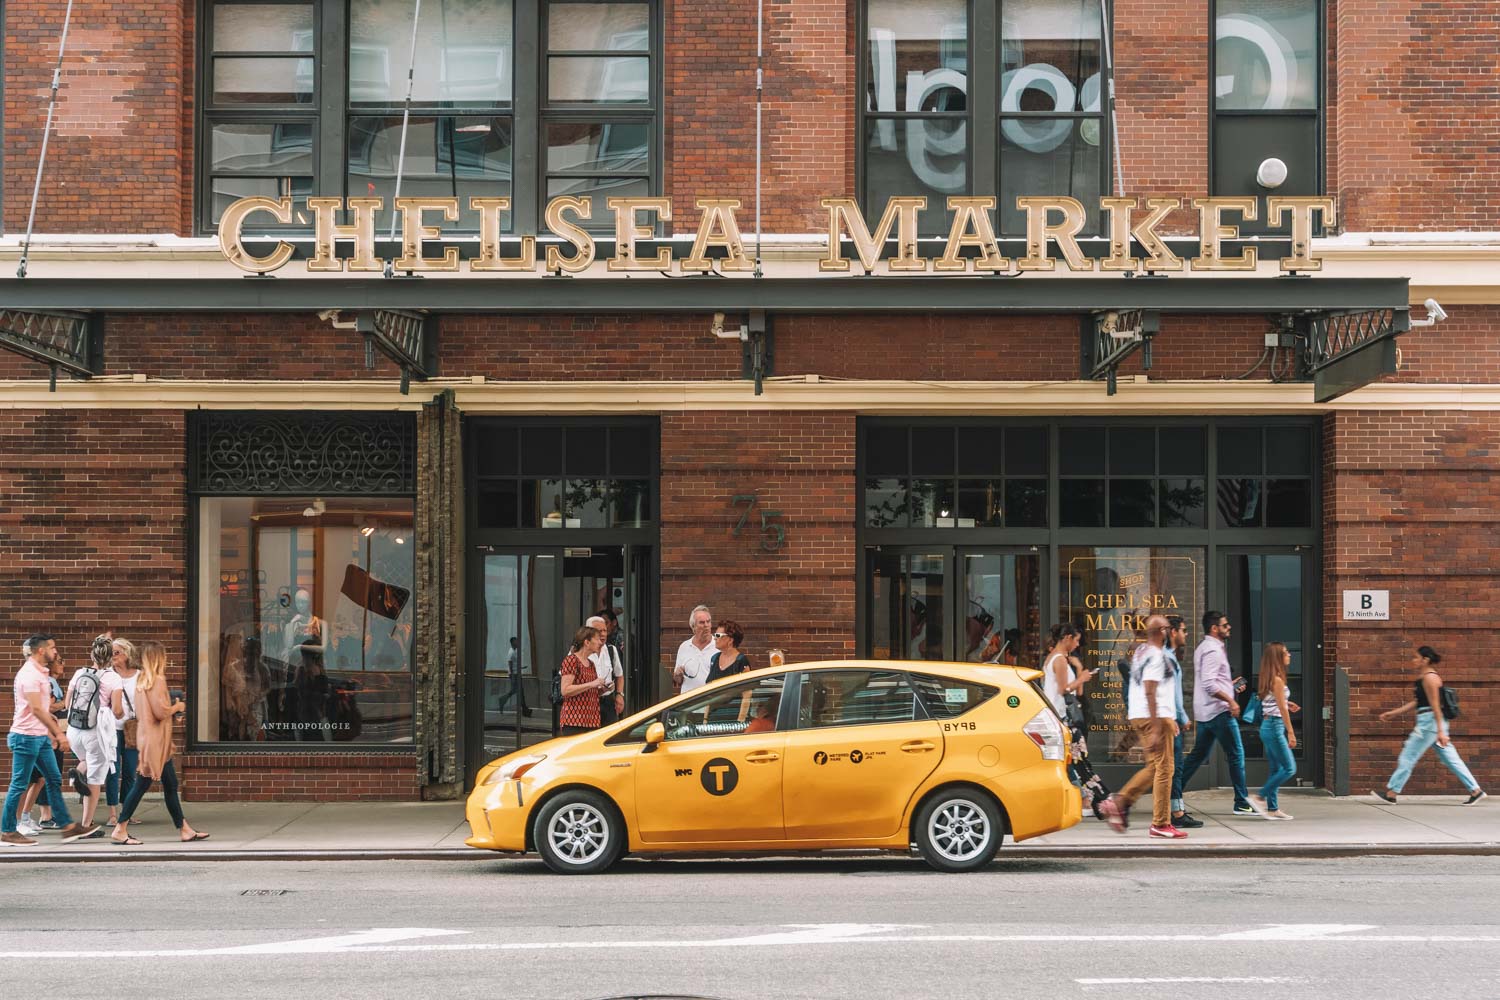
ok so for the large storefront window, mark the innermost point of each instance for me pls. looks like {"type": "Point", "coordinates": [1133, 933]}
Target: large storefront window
{"type": "Point", "coordinates": [1109, 592]}
{"type": "Point", "coordinates": [304, 578]}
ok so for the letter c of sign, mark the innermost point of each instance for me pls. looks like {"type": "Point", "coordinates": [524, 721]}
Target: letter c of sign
{"type": "Point", "coordinates": [233, 220]}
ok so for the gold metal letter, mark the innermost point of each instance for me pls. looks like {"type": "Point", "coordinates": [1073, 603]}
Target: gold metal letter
{"type": "Point", "coordinates": [489, 258]}
{"type": "Point", "coordinates": [1211, 230]}
{"type": "Point", "coordinates": [413, 232]}
{"type": "Point", "coordinates": [1302, 210]}
{"type": "Point", "coordinates": [1038, 230]}
{"type": "Point", "coordinates": [900, 214]}
{"type": "Point", "coordinates": [971, 213]}
{"type": "Point", "coordinates": [233, 220]}
{"type": "Point", "coordinates": [361, 231]}
{"type": "Point", "coordinates": [573, 233]}
{"type": "Point", "coordinates": [627, 232]}
{"type": "Point", "coordinates": [718, 228]}
{"type": "Point", "coordinates": [1159, 256]}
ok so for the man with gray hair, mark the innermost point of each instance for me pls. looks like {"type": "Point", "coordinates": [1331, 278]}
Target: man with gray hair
{"type": "Point", "coordinates": [34, 734]}
{"type": "Point", "coordinates": [693, 655]}
{"type": "Point", "coordinates": [607, 665]}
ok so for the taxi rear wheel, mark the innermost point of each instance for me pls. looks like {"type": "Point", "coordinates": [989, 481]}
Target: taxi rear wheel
{"type": "Point", "coordinates": [959, 830]}
{"type": "Point", "coordinates": [579, 833]}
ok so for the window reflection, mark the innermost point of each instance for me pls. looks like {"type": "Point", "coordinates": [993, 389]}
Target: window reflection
{"type": "Point", "coordinates": [306, 620]}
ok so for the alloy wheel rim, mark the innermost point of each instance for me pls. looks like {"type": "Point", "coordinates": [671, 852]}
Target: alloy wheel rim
{"type": "Point", "coordinates": [959, 830]}
{"type": "Point", "coordinates": [578, 834]}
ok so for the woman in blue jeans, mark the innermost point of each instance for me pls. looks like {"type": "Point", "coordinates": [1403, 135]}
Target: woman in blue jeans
{"type": "Point", "coordinates": [1276, 733]}
{"type": "Point", "coordinates": [1432, 728]}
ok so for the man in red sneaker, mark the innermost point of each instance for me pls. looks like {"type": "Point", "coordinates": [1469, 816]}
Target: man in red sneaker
{"type": "Point", "coordinates": [1151, 704]}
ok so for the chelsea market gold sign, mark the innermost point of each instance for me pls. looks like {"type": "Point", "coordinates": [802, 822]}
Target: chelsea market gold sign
{"type": "Point", "coordinates": [971, 244]}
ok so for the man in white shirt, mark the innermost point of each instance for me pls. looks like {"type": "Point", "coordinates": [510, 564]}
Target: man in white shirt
{"type": "Point", "coordinates": [693, 655]}
{"type": "Point", "coordinates": [1151, 704]}
{"type": "Point", "coordinates": [607, 665]}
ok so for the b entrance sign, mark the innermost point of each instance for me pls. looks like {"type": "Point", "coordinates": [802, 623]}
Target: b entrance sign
{"type": "Point", "coordinates": [1367, 605]}
{"type": "Point", "coordinates": [1052, 224]}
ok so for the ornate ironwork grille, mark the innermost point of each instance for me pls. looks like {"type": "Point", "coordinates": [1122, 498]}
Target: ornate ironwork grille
{"type": "Point", "coordinates": [245, 453]}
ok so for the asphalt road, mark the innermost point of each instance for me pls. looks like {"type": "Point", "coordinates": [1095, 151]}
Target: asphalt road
{"type": "Point", "coordinates": [865, 929]}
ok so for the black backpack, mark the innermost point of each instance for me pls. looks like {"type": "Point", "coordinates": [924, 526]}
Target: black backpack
{"type": "Point", "coordinates": [556, 696]}
{"type": "Point", "coordinates": [1448, 700]}
{"type": "Point", "coordinates": [83, 706]}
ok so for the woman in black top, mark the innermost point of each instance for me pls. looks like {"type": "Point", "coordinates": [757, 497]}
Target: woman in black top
{"type": "Point", "coordinates": [727, 639]}
{"type": "Point", "coordinates": [1432, 727]}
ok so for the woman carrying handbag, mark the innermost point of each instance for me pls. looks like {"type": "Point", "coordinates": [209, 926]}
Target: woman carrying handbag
{"type": "Point", "coordinates": [1062, 682]}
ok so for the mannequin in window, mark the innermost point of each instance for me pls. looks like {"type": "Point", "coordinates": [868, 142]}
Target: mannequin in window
{"type": "Point", "coordinates": [304, 654]}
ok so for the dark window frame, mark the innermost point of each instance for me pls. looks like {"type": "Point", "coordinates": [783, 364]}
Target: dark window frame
{"type": "Point", "coordinates": [984, 117]}
{"type": "Point", "coordinates": [330, 113]}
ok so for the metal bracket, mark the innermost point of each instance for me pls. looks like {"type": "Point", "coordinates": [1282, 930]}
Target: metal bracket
{"type": "Point", "coordinates": [758, 350]}
{"type": "Point", "coordinates": [407, 338]}
{"type": "Point", "coordinates": [71, 341]}
{"type": "Point", "coordinates": [1347, 350]}
{"type": "Point", "coordinates": [1111, 337]}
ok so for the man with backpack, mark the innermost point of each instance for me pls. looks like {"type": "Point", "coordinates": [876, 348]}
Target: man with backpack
{"type": "Point", "coordinates": [91, 731]}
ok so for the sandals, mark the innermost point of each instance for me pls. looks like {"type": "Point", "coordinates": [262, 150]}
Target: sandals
{"type": "Point", "coordinates": [196, 837]}
{"type": "Point", "coordinates": [127, 842]}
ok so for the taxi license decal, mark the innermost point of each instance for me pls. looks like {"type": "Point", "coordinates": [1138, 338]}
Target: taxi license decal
{"type": "Point", "coordinates": [856, 756]}
{"type": "Point", "coordinates": [719, 776]}
{"type": "Point", "coordinates": [956, 696]}
{"type": "Point", "coordinates": [1013, 701]}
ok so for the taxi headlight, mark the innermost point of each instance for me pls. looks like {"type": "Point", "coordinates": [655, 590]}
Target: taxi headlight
{"type": "Point", "coordinates": [512, 769]}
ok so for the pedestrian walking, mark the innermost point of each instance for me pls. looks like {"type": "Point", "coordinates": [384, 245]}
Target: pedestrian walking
{"type": "Point", "coordinates": [1276, 735]}
{"type": "Point", "coordinates": [91, 729]}
{"type": "Point", "coordinates": [513, 674]}
{"type": "Point", "coordinates": [1176, 641]}
{"type": "Point", "coordinates": [691, 669]}
{"type": "Point", "coordinates": [155, 709]}
{"type": "Point", "coordinates": [34, 735]}
{"type": "Point", "coordinates": [608, 667]}
{"type": "Point", "coordinates": [1151, 711]}
{"type": "Point", "coordinates": [1216, 711]}
{"type": "Point", "coordinates": [728, 660]}
{"type": "Point", "coordinates": [1063, 678]}
{"type": "Point", "coordinates": [1436, 707]}
{"type": "Point", "coordinates": [125, 665]}
{"type": "Point", "coordinates": [580, 684]}
{"type": "Point", "coordinates": [35, 794]}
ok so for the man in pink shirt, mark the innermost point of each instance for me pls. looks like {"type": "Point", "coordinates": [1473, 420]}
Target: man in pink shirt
{"type": "Point", "coordinates": [34, 734]}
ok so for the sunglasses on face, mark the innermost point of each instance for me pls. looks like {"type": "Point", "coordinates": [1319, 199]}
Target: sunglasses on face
{"type": "Point", "coordinates": [721, 635]}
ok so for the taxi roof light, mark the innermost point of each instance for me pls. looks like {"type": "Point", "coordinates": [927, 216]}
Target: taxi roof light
{"type": "Point", "coordinates": [1047, 733]}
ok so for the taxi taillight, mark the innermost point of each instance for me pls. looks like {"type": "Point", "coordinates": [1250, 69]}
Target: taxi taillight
{"type": "Point", "coordinates": [1046, 732]}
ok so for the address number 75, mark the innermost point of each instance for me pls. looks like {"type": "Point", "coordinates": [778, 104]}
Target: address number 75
{"type": "Point", "coordinates": [773, 534]}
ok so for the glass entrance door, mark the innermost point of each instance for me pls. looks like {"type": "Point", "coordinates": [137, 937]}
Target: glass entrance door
{"type": "Point", "coordinates": [953, 603]}
{"type": "Point", "coordinates": [1268, 598]}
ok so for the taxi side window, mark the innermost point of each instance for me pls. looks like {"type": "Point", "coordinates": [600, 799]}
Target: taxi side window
{"type": "Point", "coordinates": [855, 698]}
{"type": "Point", "coordinates": [725, 709]}
{"type": "Point", "coordinates": [946, 698]}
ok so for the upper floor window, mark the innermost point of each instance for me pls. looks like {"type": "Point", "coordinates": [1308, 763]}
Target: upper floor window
{"type": "Point", "coordinates": [304, 98]}
{"type": "Point", "coordinates": [1032, 124]}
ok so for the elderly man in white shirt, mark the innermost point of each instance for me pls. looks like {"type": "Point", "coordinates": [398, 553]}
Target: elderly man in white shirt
{"type": "Point", "coordinates": [607, 665]}
{"type": "Point", "coordinates": [693, 655]}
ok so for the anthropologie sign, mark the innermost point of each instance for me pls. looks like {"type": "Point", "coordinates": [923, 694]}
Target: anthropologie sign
{"type": "Point", "coordinates": [1134, 242]}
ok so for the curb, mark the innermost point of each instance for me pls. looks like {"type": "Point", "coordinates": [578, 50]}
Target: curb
{"type": "Point", "coordinates": [1489, 849]}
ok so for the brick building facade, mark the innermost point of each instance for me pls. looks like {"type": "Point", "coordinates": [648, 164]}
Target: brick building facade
{"type": "Point", "coordinates": [121, 511]}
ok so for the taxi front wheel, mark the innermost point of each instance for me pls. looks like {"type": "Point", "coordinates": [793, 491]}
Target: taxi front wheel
{"type": "Point", "coordinates": [959, 830]}
{"type": "Point", "coordinates": [579, 833]}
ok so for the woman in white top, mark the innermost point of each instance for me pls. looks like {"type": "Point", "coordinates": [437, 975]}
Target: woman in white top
{"type": "Point", "coordinates": [1276, 733]}
{"type": "Point", "coordinates": [1063, 676]}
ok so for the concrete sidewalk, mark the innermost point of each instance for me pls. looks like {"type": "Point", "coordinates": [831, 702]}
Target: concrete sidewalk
{"type": "Point", "coordinates": [294, 830]}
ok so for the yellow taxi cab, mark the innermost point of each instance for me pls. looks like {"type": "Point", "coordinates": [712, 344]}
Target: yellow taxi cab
{"type": "Point", "coordinates": [943, 759]}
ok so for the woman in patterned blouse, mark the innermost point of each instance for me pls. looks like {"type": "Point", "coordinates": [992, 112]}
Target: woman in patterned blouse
{"type": "Point", "coordinates": [580, 685]}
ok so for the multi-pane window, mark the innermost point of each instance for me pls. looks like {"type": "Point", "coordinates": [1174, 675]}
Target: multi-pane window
{"type": "Point", "coordinates": [1267, 95]}
{"type": "Point", "coordinates": [1034, 124]}
{"type": "Point", "coordinates": [1131, 477]}
{"type": "Point", "coordinates": [942, 476]}
{"type": "Point", "coordinates": [1265, 477]}
{"type": "Point", "coordinates": [290, 87]}
{"type": "Point", "coordinates": [538, 476]}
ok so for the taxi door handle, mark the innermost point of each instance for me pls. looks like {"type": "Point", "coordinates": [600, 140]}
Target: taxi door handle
{"type": "Point", "coordinates": [917, 746]}
{"type": "Point", "coordinates": [762, 756]}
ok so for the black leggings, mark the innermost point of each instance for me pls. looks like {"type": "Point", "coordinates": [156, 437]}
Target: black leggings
{"type": "Point", "coordinates": [142, 784]}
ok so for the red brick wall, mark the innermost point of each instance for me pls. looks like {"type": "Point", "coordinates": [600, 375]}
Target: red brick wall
{"type": "Point", "coordinates": [799, 598]}
{"type": "Point", "coordinates": [1419, 105]}
{"type": "Point", "coordinates": [117, 161]}
{"type": "Point", "coordinates": [1409, 507]}
{"type": "Point", "coordinates": [299, 777]}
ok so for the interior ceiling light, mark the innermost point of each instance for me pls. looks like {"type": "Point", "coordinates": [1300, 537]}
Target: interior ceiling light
{"type": "Point", "coordinates": [318, 508]}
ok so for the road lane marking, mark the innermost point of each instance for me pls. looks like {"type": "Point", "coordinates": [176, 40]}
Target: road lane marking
{"type": "Point", "coordinates": [1153, 980]}
{"type": "Point", "coordinates": [387, 940]}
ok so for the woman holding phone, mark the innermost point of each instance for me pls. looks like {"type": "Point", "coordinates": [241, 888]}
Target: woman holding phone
{"type": "Point", "coordinates": [155, 710]}
{"type": "Point", "coordinates": [1064, 678]}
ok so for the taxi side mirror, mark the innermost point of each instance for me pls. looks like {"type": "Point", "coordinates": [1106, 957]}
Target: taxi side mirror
{"type": "Point", "coordinates": [655, 733]}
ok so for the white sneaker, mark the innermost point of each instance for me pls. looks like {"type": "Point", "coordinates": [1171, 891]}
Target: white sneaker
{"type": "Point", "coordinates": [27, 827]}
{"type": "Point", "coordinates": [1258, 804]}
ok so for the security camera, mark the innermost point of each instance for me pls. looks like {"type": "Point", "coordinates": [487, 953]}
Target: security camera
{"type": "Point", "coordinates": [328, 315]}
{"type": "Point", "coordinates": [1435, 314]}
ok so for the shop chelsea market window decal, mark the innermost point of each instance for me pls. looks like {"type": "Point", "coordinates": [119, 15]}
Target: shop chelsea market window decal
{"type": "Point", "coordinates": [1131, 225]}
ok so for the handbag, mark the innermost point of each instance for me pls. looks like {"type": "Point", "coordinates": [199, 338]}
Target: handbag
{"type": "Point", "coordinates": [1448, 702]}
{"type": "Point", "coordinates": [131, 724]}
{"type": "Point", "coordinates": [1074, 706]}
{"type": "Point", "coordinates": [556, 695]}
{"type": "Point", "coordinates": [1251, 715]}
